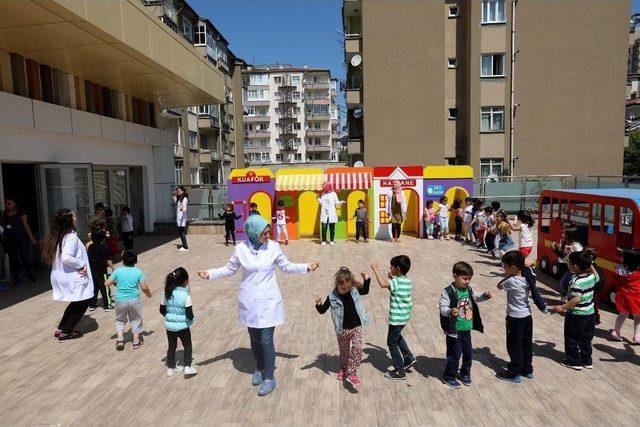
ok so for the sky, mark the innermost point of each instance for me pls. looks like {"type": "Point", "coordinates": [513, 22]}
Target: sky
{"type": "Point", "coordinates": [635, 7]}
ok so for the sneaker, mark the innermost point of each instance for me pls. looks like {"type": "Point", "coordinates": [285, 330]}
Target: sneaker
{"type": "Point", "coordinates": [190, 370]}
{"type": "Point", "coordinates": [529, 376]}
{"type": "Point", "coordinates": [176, 370]}
{"type": "Point", "coordinates": [286, 242]}
{"type": "Point", "coordinates": [109, 308]}
{"type": "Point", "coordinates": [183, 249]}
{"type": "Point", "coordinates": [331, 243]}
{"type": "Point", "coordinates": [366, 240]}
{"type": "Point", "coordinates": [395, 375]}
{"type": "Point", "coordinates": [340, 375]}
{"type": "Point", "coordinates": [615, 336]}
{"type": "Point", "coordinates": [323, 244]}
{"type": "Point", "coordinates": [587, 365]}
{"type": "Point", "coordinates": [410, 364]}
{"type": "Point", "coordinates": [225, 243]}
{"type": "Point", "coordinates": [72, 336]}
{"type": "Point", "coordinates": [256, 378]}
{"type": "Point", "coordinates": [136, 345]}
{"type": "Point", "coordinates": [429, 237]}
{"type": "Point", "coordinates": [120, 345]}
{"type": "Point", "coordinates": [354, 380]}
{"type": "Point", "coordinates": [504, 376]}
{"type": "Point", "coordinates": [92, 309]}
{"type": "Point", "coordinates": [57, 333]}
{"type": "Point", "coordinates": [466, 380]}
{"type": "Point", "coordinates": [451, 382]}
{"type": "Point", "coordinates": [567, 364]}
{"type": "Point", "coordinates": [267, 387]}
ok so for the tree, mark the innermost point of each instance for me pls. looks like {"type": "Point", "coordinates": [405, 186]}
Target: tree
{"type": "Point", "coordinates": [632, 155]}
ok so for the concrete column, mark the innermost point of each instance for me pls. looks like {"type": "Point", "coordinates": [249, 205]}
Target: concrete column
{"type": "Point", "coordinates": [122, 105]}
{"type": "Point", "coordinates": [6, 80]}
{"type": "Point", "coordinates": [70, 89]}
{"type": "Point", "coordinates": [81, 96]}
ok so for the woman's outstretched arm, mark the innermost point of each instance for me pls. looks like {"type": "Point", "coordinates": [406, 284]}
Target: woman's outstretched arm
{"type": "Point", "coordinates": [218, 273]}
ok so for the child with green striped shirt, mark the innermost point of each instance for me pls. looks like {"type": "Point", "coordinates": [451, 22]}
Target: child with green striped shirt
{"type": "Point", "coordinates": [400, 304]}
{"type": "Point", "coordinates": [579, 321]}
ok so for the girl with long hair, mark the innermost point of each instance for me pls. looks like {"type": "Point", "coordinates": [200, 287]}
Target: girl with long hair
{"type": "Point", "coordinates": [181, 199]}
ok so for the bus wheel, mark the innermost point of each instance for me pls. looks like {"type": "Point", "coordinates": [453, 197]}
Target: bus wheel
{"type": "Point", "coordinates": [544, 264]}
{"type": "Point", "coordinates": [555, 270]}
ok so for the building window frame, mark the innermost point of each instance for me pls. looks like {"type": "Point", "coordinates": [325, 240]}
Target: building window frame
{"type": "Point", "coordinates": [492, 61]}
{"type": "Point", "coordinates": [193, 140]}
{"type": "Point", "coordinates": [277, 80]}
{"type": "Point", "coordinates": [187, 28]}
{"type": "Point", "coordinates": [492, 119]}
{"type": "Point", "coordinates": [454, 12]}
{"type": "Point", "coordinates": [453, 113]}
{"type": "Point", "coordinates": [493, 12]}
{"type": "Point", "coordinates": [491, 166]}
{"type": "Point", "coordinates": [452, 63]}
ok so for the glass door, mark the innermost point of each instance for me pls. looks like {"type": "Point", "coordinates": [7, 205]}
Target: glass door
{"type": "Point", "coordinates": [67, 186]}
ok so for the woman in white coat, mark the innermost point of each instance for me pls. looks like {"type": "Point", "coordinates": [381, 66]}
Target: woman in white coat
{"type": "Point", "coordinates": [70, 273]}
{"type": "Point", "coordinates": [328, 215]}
{"type": "Point", "coordinates": [397, 208]}
{"type": "Point", "coordinates": [181, 199]}
{"type": "Point", "coordinates": [260, 306]}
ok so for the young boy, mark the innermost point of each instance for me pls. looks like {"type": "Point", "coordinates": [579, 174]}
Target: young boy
{"type": "Point", "coordinates": [253, 209]}
{"type": "Point", "coordinates": [362, 222]}
{"type": "Point", "coordinates": [128, 280]}
{"type": "Point", "coordinates": [458, 315]}
{"type": "Point", "coordinates": [99, 261]}
{"type": "Point", "coordinates": [230, 218]}
{"type": "Point", "coordinates": [400, 304]}
{"type": "Point", "coordinates": [281, 223]}
{"type": "Point", "coordinates": [467, 219]}
{"type": "Point", "coordinates": [579, 322]}
{"type": "Point", "coordinates": [126, 227]}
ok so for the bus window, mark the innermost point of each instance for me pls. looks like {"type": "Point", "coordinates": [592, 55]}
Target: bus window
{"type": "Point", "coordinates": [579, 213]}
{"type": "Point", "coordinates": [555, 212]}
{"type": "Point", "coordinates": [609, 219]}
{"type": "Point", "coordinates": [596, 217]}
{"type": "Point", "coordinates": [545, 214]}
{"type": "Point", "coordinates": [626, 220]}
{"type": "Point", "coordinates": [563, 209]}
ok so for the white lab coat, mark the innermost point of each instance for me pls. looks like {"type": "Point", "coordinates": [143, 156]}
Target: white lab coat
{"type": "Point", "coordinates": [66, 282]}
{"type": "Point", "coordinates": [259, 300]}
{"type": "Point", "coordinates": [328, 203]}
{"type": "Point", "coordinates": [181, 211]}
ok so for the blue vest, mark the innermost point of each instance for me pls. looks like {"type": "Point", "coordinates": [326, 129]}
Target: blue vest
{"type": "Point", "coordinates": [337, 309]}
{"type": "Point", "coordinates": [176, 318]}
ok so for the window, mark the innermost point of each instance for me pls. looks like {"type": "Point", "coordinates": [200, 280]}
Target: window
{"type": "Point", "coordinates": [453, 113]}
{"type": "Point", "coordinates": [177, 172]}
{"type": "Point", "coordinates": [258, 79]}
{"type": "Point", "coordinates": [579, 213]}
{"type": "Point", "coordinates": [277, 80]}
{"type": "Point", "coordinates": [452, 63]}
{"type": "Point", "coordinates": [317, 125]}
{"type": "Point", "coordinates": [265, 157]}
{"type": "Point", "coordinates": [278, 157]}
{"type": "Point", "coordinates": [382, 199]}
{"type": "Point", "coordinates": [317, 141]}
{"type": "Point", "coordinates": [205, 176]}
{"type": "Point", "coordinates": [200, 35]}
{"type": "Point", "coordinates": [491, 167]}
{"type": "Point", "coordinates": [193, 140]}
{"type": "Point", "coordinates": [296, 110]}
{"type": "Point", "coordinates": [296, 95]}
{"type": "Point", "coordinates": [298, 157]}
{"type": "Point", "coordinates": [315, 79]}
{"type": "Point", "coordinates": [187, 29]}
{"type": "Point", "coordinates": [609, 219]}
{"type": "Point", "coordinates": [492, 65]}
{"type": "Point", "coordinates": [493, 11]}
{"type": "Point", "coordinates": [453, 12]}
{"type": "Point", "coordinates": [545, 214]}
{"type": "Point", "coordinates": [492, 119]}
{"type": "Point", "coordinates": [626, 220]}
{"type": "Point", "coordinates": [204, 143]}
{"type": "Point", "coordinates": [563, 209]}
{"type": "Point", "coordinates": [194, 175]}
{"type": "Point", "coordinates": [257, 94]}
{"type": "Point", "coordinates": [596, 216]}
{"type": "Point", "coordinates": [295, 80]}
{"type": "Point", "coordinates": [296, 125]}
{"type": "Point", "coordinates": [251, 110]}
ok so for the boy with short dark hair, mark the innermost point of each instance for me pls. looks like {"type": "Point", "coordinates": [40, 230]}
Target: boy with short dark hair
{"type": "Point", "coordinates": [253, 209]}
{"type": "Point", "coordinates": [459, 314]}
{"type": "Point", "coordinates": [362, 222]}
{"type": "Point", "coordinates": [400, 305]}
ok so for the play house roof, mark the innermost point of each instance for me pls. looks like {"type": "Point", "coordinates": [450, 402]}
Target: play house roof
{"type": "Point", "coordinates": [349, 178]}
{"type": "Point", "coordinates": [443, 172]}
{"type": "Point", "coordinates": [299, 179]}
{"type": "Point", "coordinates": [258, 172]}
{"type": "Point", "coordinates": [398, 171]}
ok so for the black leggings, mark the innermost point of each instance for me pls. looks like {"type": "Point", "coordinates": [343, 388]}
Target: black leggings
{"type": "Point", "coordinates": [185, 339]}
{"type": "Point", "coordinates": [229, 233]}
{"type": "Point", "coordinates": [395, 230]}
{"type": "Point", "coordinates": [127, 239]}
{"type": "Point", "coordinates": [458, 221]}
{"type": "Point", "coordinates": [332, 231]}
{"type": "Point", "coordinates": [98, 286]}
{"type": "Point", "coordinates": [72, 315]}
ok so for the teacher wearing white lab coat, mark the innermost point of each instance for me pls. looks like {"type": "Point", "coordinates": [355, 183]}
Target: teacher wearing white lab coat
{"type": "Point", "coordinates": [260, 305]}
{"type": "Point", "coordinates": [70, 273]}
{"type": "Point", "coordinates": [328, 215]}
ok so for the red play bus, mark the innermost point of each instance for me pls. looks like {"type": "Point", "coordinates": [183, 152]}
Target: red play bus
{"type": "Point", "coordinates": [606, 219]}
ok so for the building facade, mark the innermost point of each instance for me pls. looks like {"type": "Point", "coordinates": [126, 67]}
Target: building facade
{"type": "Point", "coordinates": [85, 86]}
{"type": "Point", "coordinates": [432, 82]}
{"type": "Point", "coordinates": [291, 115]}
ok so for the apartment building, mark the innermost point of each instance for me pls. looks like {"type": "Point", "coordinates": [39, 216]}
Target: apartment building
{"type": "Point", "coordinates": [85, 90]}
{"type": "Point", "coordinates": [291, 115]}
{"type": "Point", "coordinates": [431, 82]}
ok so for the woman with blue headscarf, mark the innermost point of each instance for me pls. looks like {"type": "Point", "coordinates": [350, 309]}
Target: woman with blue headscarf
{"type": "Point", "coordinates": [260, 306]}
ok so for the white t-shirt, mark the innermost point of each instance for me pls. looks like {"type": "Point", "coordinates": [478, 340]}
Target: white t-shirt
{"type": "Point", "coordinates": [575, 247]}
{"type": "Point", "coordinates": [526, 236]}
{"type": "Point", "coordinates": [181, 212]}
{"type": "Point", "coordinates": [443, 212]}
{"type": "Point", "coordinates": [127, 223]}
{"type": "Point", "coordinates": [467, 214]}
{"type": "Point", "coordinates": [281, 217]}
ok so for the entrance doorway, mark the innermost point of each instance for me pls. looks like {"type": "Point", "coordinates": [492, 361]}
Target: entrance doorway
{"type": "Point", "coordinates": [20, 185]}
{"type": "Point", "coordinates": [411, 224]}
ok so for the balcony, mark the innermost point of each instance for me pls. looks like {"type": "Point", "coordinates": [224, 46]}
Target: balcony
{"type": "Point", "coordinates": [325, 146]}
{"type": "Point", "coordinates": [256, 119]}
{"type": "Point", "coordinates": [311, 85]}
{"type": "Point", "coordinates": [352, 44]}
{"type": "Point", "coordinates": [258, 102]}
{"type": "Point", "coordinates": [178, 151]}
{"type": "Point", "coordinates": [319, 100]}
{"type": "Point", "coordinates": [354, 97]}
{"type": "Point", "coordinates": [226, 157]}
{"type": "Point", "coordinates": [318, 116]}
{"type": "Point", "coordinates": [205, 156]}
{"type": "Point", "coordinates": [318, 132]}
{"type": "Point", "coordinates": [207, 121]}
{"type": "Point", "coordinates": [258, 134]}
{"type": "Point", "coordinates": [256, 148]}
{"type": "Point", "coordinates": [215, 155]}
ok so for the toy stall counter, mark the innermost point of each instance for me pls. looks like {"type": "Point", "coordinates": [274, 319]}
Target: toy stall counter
{"type": "Point", "coordinates": [251, 186]}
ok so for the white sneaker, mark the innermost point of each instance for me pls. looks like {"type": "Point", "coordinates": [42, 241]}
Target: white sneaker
{"type": "Point", "coordinates": [172, 371]}
{"type": "Point", "coordinates": [331, 243]}
{"type": "Point", "coordinates": [183, 249]}
{"type": "Point", "coordinates": [323, 243]}
{"type": "Point", "coordinates": [190, 370]}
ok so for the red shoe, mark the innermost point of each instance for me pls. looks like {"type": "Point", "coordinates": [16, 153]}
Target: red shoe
{"type": "Point", "coordinates": [354, 380]}
{"type": "Point", "coordinates": [286, 242]}
{"type": "Point", "coordinates": [340, 375]}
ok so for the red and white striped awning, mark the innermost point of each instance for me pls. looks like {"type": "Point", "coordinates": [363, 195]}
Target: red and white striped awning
{"type": "Point", "coordinates": [350, 180]}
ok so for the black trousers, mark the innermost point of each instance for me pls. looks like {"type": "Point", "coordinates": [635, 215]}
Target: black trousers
{"type": "Point", "coordinates": [396, 228]}
{"type": "Point", "coordinates": [18, 249]}
{"type": "Point", "coordinates": [127, 239]}
{"type": "Point", "coordinates": [332, 231]}
{"type": "Point", "coordinates": [519, 347]}
{"type": "Point", "coordinates": [98, 286]}
{"type": "Point", "coordinates": [185, 339]}
{"type": "Point", "coordinates": [458, 222]}
{"type": "Point", "coordinates": [578, 334]}
{"type": "Point", "coordinates": [229, 233]}
{"type": "Point", "coordinates": [361, 230]}
{"type": "Point", "coordinates": [456, 347]}
{"type": "Point", "coordinates": [490, 241]}
{"type": "Point", "coordinates": [72, 315]}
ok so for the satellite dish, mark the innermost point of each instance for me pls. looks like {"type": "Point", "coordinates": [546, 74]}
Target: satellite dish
{"type": "Point", "coordinates": [356, 60]}
{"type": "Point", "coordinates": [358, 164]}
{"type": "Point", "coordinates": [357, 113]}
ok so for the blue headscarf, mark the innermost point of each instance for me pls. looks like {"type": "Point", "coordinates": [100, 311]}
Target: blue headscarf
{"type": "Point", "coordinates": [254, 226]}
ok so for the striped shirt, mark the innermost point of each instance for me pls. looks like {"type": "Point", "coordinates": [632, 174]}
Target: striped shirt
{"type": "Point", "coordinates": [400, 302]}
{"type": "Point", "coordinates": [583, 286]}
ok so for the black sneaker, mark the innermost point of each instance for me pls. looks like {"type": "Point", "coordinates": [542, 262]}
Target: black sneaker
{"type": "Point", "coordinates": [395, 375]}
{"type": "Point", "coordinates": [67, 337]}
{"type": "Point", "coordinates": [567, 364]}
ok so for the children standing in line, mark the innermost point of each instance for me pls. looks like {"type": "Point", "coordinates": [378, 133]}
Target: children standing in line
{"type": "Point", "coordinates": [177, 309]}
{"type": "Point", "coordinates": [253, 209]}
{"type": "Point", "coordinates": [428, 217]}
{"type": "Point", "coordinates": [526, 232]}
{"type": "Point", "coordinates": [99, 261]}
{"type": "Point", "coordinates": [281, 223]}
{"type": "Point", "coordinates": [579, 321]}
{"type": "Point", "coordinates": [349, 316]}
{"type": "Point", "coordinates": [459, 314]}
{"type": "Point", "coordinates": [128, 281]}
{"type": "Point", "coordinates": [400, 305]}
{"type": "Point", "coordinates": [456, 209]}
{"type": "Point", "coordinates": [443, 218]}
{"type": "Point", "coordinates": [628, 293]}
{"type": "Point", "coordinates": [362, 222]}
{"type": "Point", "coordinates": [126, 226]}
{"type": "Point", "coordinates": [229, 217]}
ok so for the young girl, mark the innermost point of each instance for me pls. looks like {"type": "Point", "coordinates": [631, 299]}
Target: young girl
{"type": "Point", "coordinates": [628, 293]}
{"type": "Point", "coordinates": [428, 219]}
{"type": "Point", "coordinates": [181, 199]}
{"type": "Point", "coordinates": [126, 226]}
{"type": "Point", "coordinates": [443, 218]}
{"type": "Point", "coordinates": [526, 232]}
{"type": "Point", "coordinates": [229, 223]}
{"type": "Point", "coordinates": [178, 317]}
{"type": "Point", "coordinates": [281, 223]}
{"type": "Point", "coordinates": [468, 213]}
{"type": "Point", "coordinates": [503, 231]}
{"type": "Point", "coordinates": [479, 225]}
{"type": "Point", "coordinates": [457, 210]}
{"type": "Point", "coordinates": [349, 316]}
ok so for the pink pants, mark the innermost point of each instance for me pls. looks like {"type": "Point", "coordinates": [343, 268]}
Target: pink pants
{"type": "Point", "coordinates": [350, 344]}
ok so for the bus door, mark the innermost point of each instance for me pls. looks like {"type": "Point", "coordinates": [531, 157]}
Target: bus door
{"type": "Point", "coordinates": [579, 213]}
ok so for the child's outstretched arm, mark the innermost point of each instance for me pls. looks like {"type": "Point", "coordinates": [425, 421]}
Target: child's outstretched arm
{"type": "Point", "coordinates": [109, 282]}
{"type": "Point", "coordinates": [384, 283]}
{"type": "Point", "coordinates": [363, 289]}
{"type": "Point", "coordinates": [477, 297]}
{"type": "Point", "coordinates": [217, 273]}
{"type": "Point", "coordinates": [566, 306]}
{"type": "Point", "coordinates": [145, 288]}
{"type": "Point", "coordinates": [322, 308]}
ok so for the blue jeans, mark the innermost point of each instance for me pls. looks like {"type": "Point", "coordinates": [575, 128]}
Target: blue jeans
{"type": "Point", "coordinates": [183, 236]}
{"type": "Point", "coordinates": [264, 351]}
{"type": "Point", "coordinates": [456, 347]}
{"type": "Point", "coordinates": [332, 230]}
{"type": "Point", "coordinates": [428, 228]}
{"type": "Point", "coordinates": [400, 353]}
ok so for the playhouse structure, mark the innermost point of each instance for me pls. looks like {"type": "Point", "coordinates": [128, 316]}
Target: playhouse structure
{"type": "Point", "coordinates": [248, 186]}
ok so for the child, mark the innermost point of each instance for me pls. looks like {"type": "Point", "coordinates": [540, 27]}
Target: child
{"type": "Point", "coordinates": [459, 314]}
{"type": "Point", "coordinates": [568, 243]}
{"type": "Point", "coordinates": [281, 223]}
{"type": "Point", "coordinates": [99, 261]}
{"type": "Point", "coordinates": [112, 233]}
{"type": "Point", "coordinates": [178, 317]}
{"type": "Point", "coordinates": [400, 304]}
{"type": "Point", "coordinates": [526, 232]}
{"type": "Point", "coordinates": [502, 230]}
{"type": "Point", "coordinates": [489, 236]}
{"type": "Point", "coordinates": [253, 209]}
{"type": "Point", "coordinates": [128, 281]}
{"type": "Point", "coordinates": [428, 217]}
{"type": "Point", "coordinates": [126, 226]}
{"type": "Point", "coordinates": [349, 316]}
{"type": "Point", "coordinates": [362, 222]}
{"type": "Point", "coordinates": [443, 218]}
{"type": "Point", "coordinates": [628, 293]}
{"type": "Point", "coordinates": [229, 223]}
{"type": "Point", "coordinates": [456, 209]}
{"type": "Point", "coordinates": [579, 322]}
{"type": "Point", "coordinates": [469, 211]}
{"type": "Point", "coordinates": [479, 225]}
